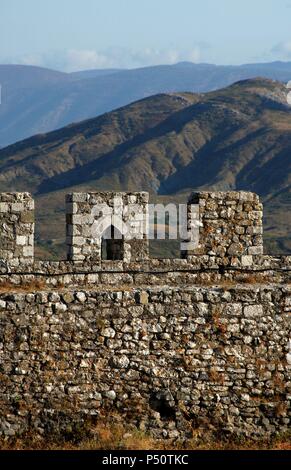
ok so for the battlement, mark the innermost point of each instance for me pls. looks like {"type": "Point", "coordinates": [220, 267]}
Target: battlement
{"type": "Point", "coordinates": [223, 225]}
{"type": "Point", "coordinates": [230, 224]}
{"type": "Point", "coordinates": [16, 229]}
{"type": "Point", "coordinates": [108, 241]}
{"type": "Point", "coordinates": [91, 217]}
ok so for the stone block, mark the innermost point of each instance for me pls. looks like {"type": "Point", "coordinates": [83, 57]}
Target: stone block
{"type": "Point", "coordinates": [246, 260]}
{"type": "Point", "coordinates": [253, 310]}
{"type": "Point", "coordinates": [21, 240]}
{"type": "Point", "coordinates": [255, 250]}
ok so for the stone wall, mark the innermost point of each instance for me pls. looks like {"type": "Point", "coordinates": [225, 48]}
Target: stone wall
{"type": "Point", "coordinates": [16, 229]}
{"type": "Point", "coordinates": [200, 270]}
{"type": "Point", "coordinates": [230, 224]}
{"type": "Point", "coordinates": [169, 360]}
{"type": "Point", "coordinates": [172, 345]}
{"type": "Point", "coordinates": [90, 215]}
{"type": "Point", "coordinates": [222, 226]}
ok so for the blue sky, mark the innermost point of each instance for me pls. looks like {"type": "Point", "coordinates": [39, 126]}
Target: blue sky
{"type": "Point", "coordinates": [84, 34]}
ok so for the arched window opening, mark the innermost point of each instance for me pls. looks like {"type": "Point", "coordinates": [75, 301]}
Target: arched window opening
{"type": "Point", "coordinates": [112, 245]}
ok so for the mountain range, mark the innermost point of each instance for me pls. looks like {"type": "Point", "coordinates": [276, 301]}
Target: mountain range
{"type": "Point", "coordinates": [38, 100]}
{"type": "Point", "coordinates": [238, 137]}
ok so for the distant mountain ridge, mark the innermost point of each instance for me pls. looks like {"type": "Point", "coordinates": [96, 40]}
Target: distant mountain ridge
{"type": "Point", "coordinates": [38, 100]}
{"type": "Point", "coordinates": [236, 138]}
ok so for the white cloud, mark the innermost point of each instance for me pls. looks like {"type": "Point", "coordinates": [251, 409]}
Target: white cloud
{"type": "Point", "coordinates": [86, 59]}
{"type": "Point", "coordinates": [150, 56]}
{"type": "Point", "coordinates": [282, 50]}
{"type": "Point", "coordinates": [30, 59]}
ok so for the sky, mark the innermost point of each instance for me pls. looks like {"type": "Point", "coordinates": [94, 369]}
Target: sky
{"type": "Point", "coordinates": [73, 35]}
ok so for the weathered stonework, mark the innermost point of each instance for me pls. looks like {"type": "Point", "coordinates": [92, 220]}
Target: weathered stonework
{"type": "Point", "coordinates": [86, 223]}
{"type": "Point", "coordinates": [17, 229]}
{"type": "Point", "coordinates": [170, 358]}
{"type": "Point", "coordinates": [230, 224]}
{"type": "Point", "coordinates": [170, 344]}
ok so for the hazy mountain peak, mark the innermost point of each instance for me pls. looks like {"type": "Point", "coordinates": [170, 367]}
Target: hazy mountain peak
{"type": "Point", "coordinates": [38, 100]}
{"type": "Point", "coordinates": [238, 137]}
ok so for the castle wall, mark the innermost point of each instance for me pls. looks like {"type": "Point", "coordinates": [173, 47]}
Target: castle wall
{"type": "Point", "coordinates": [89, 215]}
{"type": "Point", "coordinates": [16, 229]}
{"type": "Point", "coordinates": [199, 270]}
{"type": "Point", "coordinates": [230, 225]}
{"type": "Point", "coordinates": [169, 360]}
{"type": "Point", "coordinates": [170, 344]}
{"type": "Point", "coordinates": [222, 225]}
